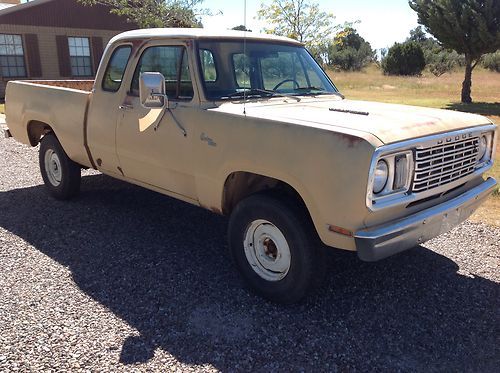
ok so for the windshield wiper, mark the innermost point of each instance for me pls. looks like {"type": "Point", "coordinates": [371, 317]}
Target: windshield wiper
{"type": "Point", "coordinates": [253, 91]}
{"type": "Point", "coordinates": [321, 91]}
{"type": "Point", "coordinates": [310, 88]}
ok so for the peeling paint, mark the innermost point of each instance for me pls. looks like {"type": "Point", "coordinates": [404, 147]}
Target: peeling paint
{"type": "Point", "coordinates": [352, 141]}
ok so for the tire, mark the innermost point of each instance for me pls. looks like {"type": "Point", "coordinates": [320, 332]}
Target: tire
{"type": "Point", "coordinates": [60, 174]}
{"type": "Point", "coordinates": [275, 248]}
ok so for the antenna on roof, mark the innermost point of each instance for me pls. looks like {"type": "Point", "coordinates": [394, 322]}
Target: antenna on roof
{"type": "Point", "coordinates": [245, 53]}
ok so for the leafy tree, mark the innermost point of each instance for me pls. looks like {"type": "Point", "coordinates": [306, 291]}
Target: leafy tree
{"type": "Point", "coordinates": [301, 20]}
{"type": "Point", "coordinates": [349, 51]}
{"type": "Point", "coordinates": [438, 59]}
{"type": "Point", "coordinates": [418, 35]}
{"type": "Point", "coordinates": [404, 59]}
{"type": "Point", "coordinates": [241, 28]}
{"type": "Point", "coordinates": [156, 13]}
{"type": "Point", "coordinates": [492, 61]}
{"type": "Point", "coordinates": [470, 27]}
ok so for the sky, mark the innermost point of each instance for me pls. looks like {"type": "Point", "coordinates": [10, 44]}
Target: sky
{"type": "Point", "coordinates": [382, 22]}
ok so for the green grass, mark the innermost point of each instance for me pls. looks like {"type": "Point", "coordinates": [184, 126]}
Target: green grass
{"type": "Point", "coordinates": [437, 92]}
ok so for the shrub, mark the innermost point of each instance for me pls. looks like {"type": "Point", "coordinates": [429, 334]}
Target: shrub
{"type": "Point", "coordinates": [350, 59]}
{"type": "Point", "coordinates": [349, 51]}
{"type": "Point", "coordinates": [404, 59]}
{"type": "Point", "coordinates": [441, 62]}
{"type": "Point", "coordinates": [492, 61]}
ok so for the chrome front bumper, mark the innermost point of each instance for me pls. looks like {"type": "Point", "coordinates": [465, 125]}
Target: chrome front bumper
{"type": "Point", "coordinates": [388, 239]}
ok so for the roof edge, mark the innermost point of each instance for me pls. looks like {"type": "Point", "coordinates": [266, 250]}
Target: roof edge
{"type": "Point", "coordinates": [198, 33]}
{"type": "Point", "coordinates": [20, 7]}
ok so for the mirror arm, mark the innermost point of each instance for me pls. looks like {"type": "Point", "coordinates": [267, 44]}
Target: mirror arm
{"type": "Point", "coordinates": [183, 130]}
{"type": "Point", "coordinates": [158, 95]}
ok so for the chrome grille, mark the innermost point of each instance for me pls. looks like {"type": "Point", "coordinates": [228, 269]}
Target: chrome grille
{"type": "Point", "coordinates": [449, 160]}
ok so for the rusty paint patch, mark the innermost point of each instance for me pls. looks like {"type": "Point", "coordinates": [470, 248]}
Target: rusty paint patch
{"type": "Point", "coordinates": [137, 46]}
{"type": "Point", "coordinates": [215, 210]}
{"type": "Point", "coordinates": [351, 140]}
{"type": "Point", "coordinates": [340, 230]}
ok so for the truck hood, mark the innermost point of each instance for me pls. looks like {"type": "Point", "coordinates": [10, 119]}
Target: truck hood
{"type": "Point", "coordinates": [388, 122]}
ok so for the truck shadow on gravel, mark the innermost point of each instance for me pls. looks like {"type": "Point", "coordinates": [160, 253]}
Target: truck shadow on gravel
{"type": "Point", "coordinates": [162, 266]}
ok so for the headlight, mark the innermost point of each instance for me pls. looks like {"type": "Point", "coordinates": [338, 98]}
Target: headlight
{"type": "Point", "coordinates": [381, 176]}
{"type": "Point", "coordinates": [391, 176]}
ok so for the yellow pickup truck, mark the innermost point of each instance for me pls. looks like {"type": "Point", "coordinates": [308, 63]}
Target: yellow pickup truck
{"type": "Point", "coordinates": [251, 127]}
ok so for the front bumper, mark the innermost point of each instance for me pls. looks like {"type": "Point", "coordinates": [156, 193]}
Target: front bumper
{"type": "Point", "coordinates": [388, 239]}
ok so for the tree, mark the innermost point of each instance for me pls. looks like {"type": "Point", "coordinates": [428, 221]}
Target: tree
{"type": "Point", "coordinates": [404, 59]}
{"type": "Point", "coordinates": [156, 13]}
{"type": "Point", "coordinates": [241, 28]}
{"type": "Point", "coordinates": [418, 35]}
{"type": "Point", "coordinates": [349, 51]}
{"type": "Point", "coordinates": [470, 27]}
{"type": "Point", "coordinates": [300, 20]}
{"type": "Point", "coordinates": [438, 59]}
{"type": "Point", "coordinates": [492, 61]}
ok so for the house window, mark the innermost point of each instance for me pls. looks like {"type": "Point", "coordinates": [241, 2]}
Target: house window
{"type": "Point", "coordinates": [12, 56]}
{"type": "Point", "coordinates": [79, 54]}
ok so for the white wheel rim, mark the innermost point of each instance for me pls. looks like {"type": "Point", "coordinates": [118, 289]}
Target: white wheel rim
{"type": "Point", "coordinates": [53, 167]}
{"type": "Point", "coordinates": [267, 250]}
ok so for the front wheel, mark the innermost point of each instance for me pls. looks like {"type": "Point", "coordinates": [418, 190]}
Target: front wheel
{"type": "Point", "coordinates": [60, 174]}
{"type": "Point", "coordinates": [274, 248]}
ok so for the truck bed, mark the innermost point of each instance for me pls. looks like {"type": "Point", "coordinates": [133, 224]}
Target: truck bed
{"type": "Point", "coordinates": [81, 85]}
{"type": "Point", "coordinates": [32, 107]}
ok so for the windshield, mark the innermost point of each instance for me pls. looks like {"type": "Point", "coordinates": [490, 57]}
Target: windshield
{"type": "Point", "coordinates": [259, 69]}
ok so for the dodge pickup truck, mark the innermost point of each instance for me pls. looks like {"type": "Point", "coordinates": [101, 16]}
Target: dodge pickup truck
{"type": "Point", "coordinates": [251, 127]}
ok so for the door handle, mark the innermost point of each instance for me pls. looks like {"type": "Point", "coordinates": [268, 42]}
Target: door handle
{"type": "Point", "coordinates": [125, 107]}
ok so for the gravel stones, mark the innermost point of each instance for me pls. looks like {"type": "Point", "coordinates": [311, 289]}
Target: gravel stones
{"type": "Point", "coordinates": [124, 279]}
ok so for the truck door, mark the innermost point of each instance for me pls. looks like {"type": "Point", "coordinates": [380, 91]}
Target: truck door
{"type": "Point", "coordinates": [153, 145]}
{"type": "Point", "coordinates": [104, 112]}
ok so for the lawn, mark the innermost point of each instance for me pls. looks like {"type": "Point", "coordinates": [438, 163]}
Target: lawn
{"type": "Point", "coordinates": [438, 92]}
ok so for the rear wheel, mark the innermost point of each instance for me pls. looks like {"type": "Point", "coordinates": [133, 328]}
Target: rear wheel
{"type": "Point", "coordinates": [275, 248]}
{"type": "Point", "coordinates": [60, 174]}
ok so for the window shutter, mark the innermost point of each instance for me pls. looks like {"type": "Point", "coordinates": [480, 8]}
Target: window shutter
{"type": "Point", "coordinates": [63, 55]}
{"type": "Point", "coordinates": [33, 55]}
{"type": "Point", "coordinates": [97, 50]}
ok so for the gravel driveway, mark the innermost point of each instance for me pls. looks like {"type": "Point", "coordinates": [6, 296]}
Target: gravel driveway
{"type": "Point", "coordinates": [125, 279]}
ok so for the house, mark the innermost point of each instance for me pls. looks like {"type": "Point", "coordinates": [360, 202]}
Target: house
{"type": "Point", "coordinates": [53, 39]}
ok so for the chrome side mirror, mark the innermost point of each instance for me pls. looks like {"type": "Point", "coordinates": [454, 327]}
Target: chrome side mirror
{"type": "Point", "coordinates": [152, 90]}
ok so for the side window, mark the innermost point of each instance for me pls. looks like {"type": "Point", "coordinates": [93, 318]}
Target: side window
{"type": "Point", "coordinates": [113, 76]}
{"type": "Point", "coordinates": [208, 65]}
{"type": "Point", "coordinates": [172, 63]}
{"type": "Point", "coordinates": [241, 66]}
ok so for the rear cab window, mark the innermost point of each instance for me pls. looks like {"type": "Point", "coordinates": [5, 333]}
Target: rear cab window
{"type": "Point", "coordinates": [115, 70]}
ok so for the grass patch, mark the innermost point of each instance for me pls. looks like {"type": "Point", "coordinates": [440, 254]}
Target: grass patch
{"type": "Point", "coordinates": [437, 92]}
